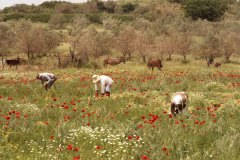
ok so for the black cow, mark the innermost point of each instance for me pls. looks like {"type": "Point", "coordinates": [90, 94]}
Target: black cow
{"type": "Point", "coordinates": [13, 62]}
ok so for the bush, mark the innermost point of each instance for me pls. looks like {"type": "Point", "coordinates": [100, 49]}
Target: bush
{"type": "Point", "coordinates": [124, 18]}
{"type": "Point", "coordinates": [176, 1]}
{"type": "Point", "coordinates": [212, 10]}
{"type": "Point", "coordinates": [94, 18]}
{"type": "Point", "coordinates": [128, 7]}
{"type": "Point", "coordinates": [33, 17]}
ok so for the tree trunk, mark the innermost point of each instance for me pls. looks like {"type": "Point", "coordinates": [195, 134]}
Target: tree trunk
{"type": "Point", "coordinates": [144, 58]}
{"type": "Point", "coordinates": [184, 57]}
{"type": "Point", "coordinates": [169, 56]}
{"type": "Point", "coordinates": [2, 61]}
{"type": "Point", "coordinates": [59, 60]}
{"type": "Point", "coordinates": [227, 56]}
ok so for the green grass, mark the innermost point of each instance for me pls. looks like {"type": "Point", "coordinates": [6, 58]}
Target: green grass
{"type": "Point", "coordinates": [132, 124]}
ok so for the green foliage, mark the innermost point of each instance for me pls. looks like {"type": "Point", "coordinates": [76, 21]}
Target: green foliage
{"type": "Point", "coordinates": [43, 17]}
{"type": "Point", "coordinates": [67, 121]}
{"type": "Point", "coordinates": [51, 4]}
{"type": "Point", "coordinates": [94, 18]}
{"type": "Point", "coordinates": [211, 10]}
{"type": "Point", "coordinates": [128, 7]}
{"type": "Point", "coordinates": [124, 17]}
{"type": "Point", "coordinates": [176, 1]}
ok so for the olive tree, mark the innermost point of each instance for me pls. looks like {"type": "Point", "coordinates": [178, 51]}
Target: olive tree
{"type": "Point", "coordinates": [34, 40]}
{"type": "Point", "coordinates": [6, 39]}
{"type": "Point", "coordinates": [125, 41]}
{"type": "Point", "coordinates": [211, 10]}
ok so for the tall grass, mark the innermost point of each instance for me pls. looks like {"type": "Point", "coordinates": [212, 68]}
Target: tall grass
{"type": "Point", "coordinates": [67, 121]}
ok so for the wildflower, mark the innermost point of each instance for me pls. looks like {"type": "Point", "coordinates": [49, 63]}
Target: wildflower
{"type": "Point", "coordinates": [170, 115]}
{"type": "Point", "coordinates": [130, 137]}
{"type": "Point", "coordinates": [76, 158]}
{"type": "Point", "coordinates": [7, 117]}
{"type": "Point", "coordinates": [76, 149]}
{"type": "Point", "coordinates": [144, 157]}
{"type": "Point", "coordinates": [143, 117]}
{"type": "Point", "coordinates": [196, 122]}
{"type": "Point", "coordinates": [98, 147]}
{"type": "Point", "coordinates": [69, 147]}
{"type": "Point", "coordinates": [164, 149]}
{"type": "Point", "coordinates": [140, 126]}
{"type": "Point", "coordinates": [202, 123]}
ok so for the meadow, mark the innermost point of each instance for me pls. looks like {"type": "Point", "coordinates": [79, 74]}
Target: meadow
{"type": "Point", "coordinates": [68, 122]}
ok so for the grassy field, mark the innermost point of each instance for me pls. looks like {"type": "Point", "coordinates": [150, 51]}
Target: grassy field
{"type": "Point", "coordinates": [67, 122]}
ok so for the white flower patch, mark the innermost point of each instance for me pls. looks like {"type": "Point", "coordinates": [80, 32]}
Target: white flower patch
{"type": "Point", "coordinates": [107, 142]}
{"type": "Point", "coordinates": [27, 107]}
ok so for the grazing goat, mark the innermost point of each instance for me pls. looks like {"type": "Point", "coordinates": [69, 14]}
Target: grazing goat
{"type": "Point", "coordinates": [154, 63]}
{"type": "Point", "coordinates": [113, 61]}
{"type": "Point", "coordinates": [179, 103]}
{"type": "Point", "coordinates": [13, 62]}
{"type": "Point", "coordinates": [209, 62]}
{"type": "Point", "coordinates": [217, 64]}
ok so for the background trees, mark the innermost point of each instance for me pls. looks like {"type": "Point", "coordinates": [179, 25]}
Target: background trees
{"type": "Point", "coordinates": [211, 10]}
{"type": "Point", "coordinates": [34, 40]}
{"type": "Point", "coordinates": [89, 31]}
{"type": "Point", "coordinates": [6, 40]}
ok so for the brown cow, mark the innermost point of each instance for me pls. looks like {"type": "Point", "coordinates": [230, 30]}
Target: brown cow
{"type": "Point", "coordinates": [217, 64]}
{"type": "Point", "coordinates": [113, 61]}
{"type": "Point", "coordinates": [154, 63]}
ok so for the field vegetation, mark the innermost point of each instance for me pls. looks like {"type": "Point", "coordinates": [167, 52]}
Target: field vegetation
{"type": "Point", "coordinates": [71, 40]}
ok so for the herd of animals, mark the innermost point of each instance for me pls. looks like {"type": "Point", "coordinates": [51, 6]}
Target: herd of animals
{"type": "Point", "coordinates": [152, 62]}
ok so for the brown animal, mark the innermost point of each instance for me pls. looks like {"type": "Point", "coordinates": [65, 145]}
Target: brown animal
{"type": "Point", "coordinates": [113, 61]}
{"type": "Point", "coordinates": [154, 63]}
{"type": "Point", "coordinates": [217, 64]}
{"type": "Point", "coordinates": [13, 62]}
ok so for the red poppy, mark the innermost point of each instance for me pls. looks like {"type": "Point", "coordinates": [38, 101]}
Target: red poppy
{"type": "Point", "coordinates": [7, 117]}
{"type": "Point", "coordinates": [69, 147]}
{"type": "Point", "coordinates": [164, 149]}
{"type": "Point", "coordinates": [196, 122]}
{"type": "Point", "coordinates": [76, 149]}
{"type": "Point", "coordinates": [76, 158]}
{"type": "Point", "coordinates": [130, 137]}
{"type": "Point", "coordinates": [144, 157]}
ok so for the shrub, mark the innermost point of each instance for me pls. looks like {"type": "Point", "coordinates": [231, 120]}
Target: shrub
{"type": "Point", "coordinates": [211, 10]}
{"type": "Point", "coordinates": [176, 1]}
{"type": "Point", "coordinates": [124, 18]}
{"type": "Point", "coordinates": [94, 18]}
{"type": "Point", "coordinates": [128, 7]}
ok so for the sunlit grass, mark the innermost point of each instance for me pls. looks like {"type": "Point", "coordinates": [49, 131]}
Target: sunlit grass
{"type": "Point", "coordinates": [68, 122]}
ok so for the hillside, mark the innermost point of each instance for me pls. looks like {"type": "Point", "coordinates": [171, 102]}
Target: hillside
{"type": "Point", "coordinates": [137, 28]}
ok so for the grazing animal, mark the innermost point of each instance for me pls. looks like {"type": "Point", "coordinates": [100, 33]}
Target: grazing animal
{"type": "Point", "coordinates": [217, 64]}
{"type": "Point", "coordinates": [179, 103]}
{"type": "Point", "coordinates": [13, 62]}
{"type": "Point", "coordinates": [113, 61]}
{"type": "Point", "coordinates": [209, 61]}
{"type": "Point", "coordinates": [154, 63]}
